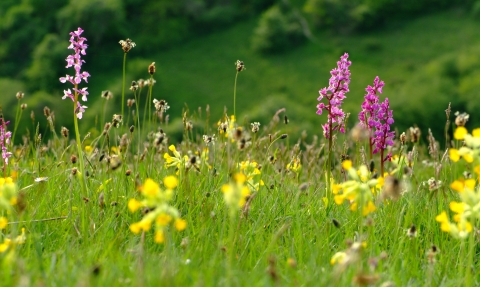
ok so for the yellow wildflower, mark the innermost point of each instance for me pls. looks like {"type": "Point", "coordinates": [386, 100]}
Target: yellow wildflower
{"type": "Point", "coordinates": [134, 205]}
{"type": "Point", "coordinates": [3, 222]}
{"type": "Point", "coordinates": [180, 224]}
{"type": "Point", "coordinates": [369, 208]}
{"type": "Point", "coordinates": [347, 164]}
{"type": "Point", "coordinates": [163, 219]}
{"type": "Point", "coordinates": [460, 133]}
{"type": "Point", "coordinates": [338, 258]}
{"type": "Point", "coordinates": [150, 188]}
{"type": "Point", "coordinates": [159, 236]}
{"type": "Point", "coordinates": [170, 182]}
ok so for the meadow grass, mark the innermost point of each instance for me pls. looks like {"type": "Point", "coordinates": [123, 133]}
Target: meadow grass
{"type": "Point", "coordinates": [257, 206]}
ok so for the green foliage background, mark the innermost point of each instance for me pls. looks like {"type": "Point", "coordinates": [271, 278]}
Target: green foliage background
{"type": "Point", "coordinates": [427, 52]}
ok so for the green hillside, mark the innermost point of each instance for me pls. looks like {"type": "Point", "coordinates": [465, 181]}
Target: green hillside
{"type": "Point", "coordinates": [201, 72]}
{"type": "Point", "coordinates": [425, 62]}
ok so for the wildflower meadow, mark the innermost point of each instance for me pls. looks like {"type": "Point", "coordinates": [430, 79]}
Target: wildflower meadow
{"type": "Point", "coordinates": [230, 202]}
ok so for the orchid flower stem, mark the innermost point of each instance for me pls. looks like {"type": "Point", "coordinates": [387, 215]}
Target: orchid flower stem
{"type": "Point", "coordinates": [123, 83]}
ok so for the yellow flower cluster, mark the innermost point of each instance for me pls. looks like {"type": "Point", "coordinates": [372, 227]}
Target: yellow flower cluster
{"type": "Point", "coordinates": [161, 212]}
{"type": "Point", "coordinates": [8, 198]}
{"type": "Point", "coordinates": [236, 192]}
{"type": "Point", "coordinates": [252, 172]}
{"type": "Point", "coordinates": [294, 165]}
{"type": "Point", "coordinates": [8, 193]}
{"type": "Point", "coordinates": [176, 160]}
{"type": "Point", "coordinates": [358, 190]}
{"type": "Point", "coordinates": [468, 210]}
{"type": "Point", "coordinates": [7, 243]}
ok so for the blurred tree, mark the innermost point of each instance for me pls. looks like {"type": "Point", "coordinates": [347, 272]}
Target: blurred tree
{"type": "Point", "coordinates": [279, 29]}
{"type": "Point", "coordinates": [101, 19]}
{"type": "Point", "coordinates": [47, 64]}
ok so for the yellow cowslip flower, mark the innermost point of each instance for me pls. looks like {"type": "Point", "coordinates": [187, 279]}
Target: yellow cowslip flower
{"type": "Point", "coordinates": [135, 228]}
{"type": "Point", "coordinates": [445, 223]}
{"type": "Point", "coordinates": [457, 207]}
{"type": "Point", "coordinates": [347, 164]}
{"type": "Point", "coordinates": [180, 224]}
{"type": "Point", "coordinates": [460, 133]}
{"type": "Point", "coordinates": [134, 205]}
{"type": "Point", "coordinates": [336, 188]}
{"type": "Point", "coordinates": [4, 246]}
{"type": "Point", "coordinates": [461, 185]}
{"type": "Point", "coordinates": [339, 198]}
{"type": "Point", "coordinates": [3, 222]}
{"type": "Point", "coordinates": [150, 188]}
{"type": "Point", "coordinates": [476, 169]}
{"type": "Point", "coordinates": [457, 185]}
{"type": "Point", "coordinates": [240, 177]}
{"type": "Point", "coordinates": [465, 227]}
{"type": "Point", "coordinates": [470, 184]}
{"type": "Point", "coordinates": [159, 236]}
{"type": "Point", "coordinates": [176, 159]}
{"type": "Point", "coordinates": [88, 149]}
{"type": "Point", "coordinates": [163, 219]}
{"type": "Point", "coordinates": [170, 182]}
{"type": "Point", "coordinates": [338, 258]}
{"type": "Point", "coordinates": [294, 165]}
{"type": "Point", "coordinates": [369, 208]}
{"type": "Point", "coordinates": [476, 133]}
{"type": "Point", "coordinates": [145, 224]}
{"type": "Point", "coordinates": [235, 193]}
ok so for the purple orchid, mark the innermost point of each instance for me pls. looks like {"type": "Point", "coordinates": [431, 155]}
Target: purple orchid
{"type": "Point", "coordinates": [335, 93]}
{"type": "Point", "coordinates": [368, 114]}
{"type": "Point", "coordinates": [383, 137]}
{"type": "Point", "coordinates": [4, 141]}
{"type": "Point", "coordinates": [77, 44]}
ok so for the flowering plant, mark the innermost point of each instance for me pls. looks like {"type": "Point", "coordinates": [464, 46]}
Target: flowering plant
{"type": "Point", "coordinates": [335, 93]}
{"type": "Point", "coordinates": [77, 44]}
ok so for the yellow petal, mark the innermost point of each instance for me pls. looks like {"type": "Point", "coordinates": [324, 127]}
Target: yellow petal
{"type": "Point", "coordinates": [180, 224]}
{"type": "Point", "coordinates": [457, 185]}
{"type": "Point", "coordinates": [3, 222]}
{"type": "Point", "coordinates": [150, 187]}
{"type": "Point", "coordinates": [454, 155]}
{"type": "Point", "coordinates": [134, 205]}
{"type": "Point", "coordinates": [460, 133]}
{"type": "Point", "coordinates": [339, 198]}
{"type": "Point", "coordinates": [163, 219]}
{"type": "Point", "coordinates": [442, 217]}
{"type": "Point", "coordinates": [369, 208]}
{"type": "Point", "coordinates": [159, 236]}
{"type": "Point", "coordinates": [170, 182]}
{"type": "Point", "coordinates": [135, 228]}
{"type": "Point", "coordinates": [470, 183]}
{"type": "Point", "coordinates": [476, 133]}
{"type": "Point", "coordinates": [457, 207]}
{"type": "Point", "coordinates": [347, 164]}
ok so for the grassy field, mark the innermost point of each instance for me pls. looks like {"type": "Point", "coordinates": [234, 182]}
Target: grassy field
{"type": "Point", "coordinates": [140, 207]}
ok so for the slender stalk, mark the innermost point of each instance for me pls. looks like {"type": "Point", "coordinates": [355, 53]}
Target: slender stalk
{"type": "Point", "coordinates": [123, 83]}
{"type": "Point", "coordinates": [235, 96]}
{"type": "Point", "coordinates": [79, 145]}
{"type": "Point", "coordinates": [470, 256]}
{"type": "Point", "coordinates": [18, 115]}
{"type": "Point", "coordinates": [150, 87]}
{"type": "Point", "coordinates": [137, 103]}
{"type": "Point", "coordinates": [381, 161]}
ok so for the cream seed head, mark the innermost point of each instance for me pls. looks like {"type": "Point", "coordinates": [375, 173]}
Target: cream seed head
{"type": "Point", "coordinates": [127, 45]}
